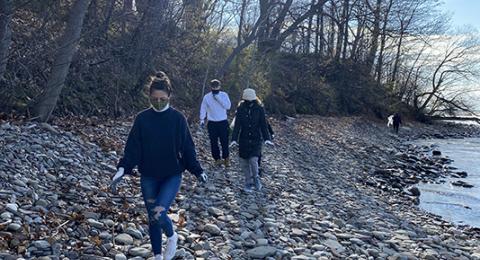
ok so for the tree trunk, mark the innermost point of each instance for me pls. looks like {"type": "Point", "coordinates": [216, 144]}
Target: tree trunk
{"type": "Point", "coordinates": [193, 14]}
{"type": "Point", "coordinates": [345, 28]}
{"type": "Point", "coordinates": [361, 20]}
{"type": "Point", "coordinates": [264, 30]}
{"type": "Point", "coordinates": [397, 57]}
{"type": "Point", "coordinates": [309, 30]}
{"type": "Point", "coordinates": [375, 34]}
{"type": "Point", "coordinates": [6, 10]}
{"type": "Point", "coordinates": [317, 33]}
{"type": "Point", "coordinates": [240, 25]}
{"type": "Point", "coordinates": [379, 69]}
{"type": "Point", "coordinates": [148, 42]}
{"type": "Point", "coordinates": [322, 33]}
{"type": "Point", "coordinates": [331, 35]}
{"type": "Point", "coordinates": [62, 60]}
{"type": "Point", "coordinates": [108, 18]}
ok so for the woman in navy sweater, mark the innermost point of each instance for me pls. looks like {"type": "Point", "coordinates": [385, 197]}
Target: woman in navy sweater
{"type": "Point", "coordinates": [161, 146]}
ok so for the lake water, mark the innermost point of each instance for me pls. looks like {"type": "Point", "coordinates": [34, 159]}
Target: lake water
{"type": "Point", "coordinates": [456, 204]}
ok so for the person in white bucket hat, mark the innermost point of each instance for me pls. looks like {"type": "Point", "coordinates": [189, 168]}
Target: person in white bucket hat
{"type": "Point", "coordinates": [249, 132]}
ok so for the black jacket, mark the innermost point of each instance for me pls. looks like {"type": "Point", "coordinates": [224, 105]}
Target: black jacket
{"type": "Point", "coordinates": [397, 120]}
{"type": "Point", "coordinates": [250, 129]}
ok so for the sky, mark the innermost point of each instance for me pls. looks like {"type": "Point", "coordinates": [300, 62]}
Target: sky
{"type": "Point", "coordinates": [464, 12]}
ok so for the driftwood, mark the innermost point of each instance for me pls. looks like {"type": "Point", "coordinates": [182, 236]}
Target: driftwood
{"type": "Point", "coordinates": [456, 118]}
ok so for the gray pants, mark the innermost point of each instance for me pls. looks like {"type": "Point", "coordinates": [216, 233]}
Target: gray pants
{"type": "Point", "coordinates": [250, 171]}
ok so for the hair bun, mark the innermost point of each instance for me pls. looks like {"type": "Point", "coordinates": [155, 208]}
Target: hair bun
{"type": "Point", "coordinates": [160, 74]}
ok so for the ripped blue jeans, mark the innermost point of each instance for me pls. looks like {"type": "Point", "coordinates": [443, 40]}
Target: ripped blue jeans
{"type": "Point", "coordinates": [158, 196]}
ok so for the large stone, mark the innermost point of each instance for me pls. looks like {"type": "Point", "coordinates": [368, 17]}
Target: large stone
{"type": "Point", "coordinates": [298, 232]}
{"type": "Point", "coordinates": [120, 256]}
{"type": "Point", "coordinates": [380, 235]}
{"type": "Point", "coordinates": [414, 191]}
{"type": "Point", "coordinates": [334, 245]}
{"type": "Point", "coordinates": [462, 184]}
{"type": "Point", "coordinates": [41, 244]}
{"type": "Point", "coordinates": [139, 251]}
{"type": "Point", "coordinates": [134, 233]}
{"type": "Point", "coordinates": [12, 207]}
{"type": "Point", "coordinates": [6, 216]}
{"type": "Point", "coordinates": [14, 227]}
{"type": "Point", "coordinates": [431, 254]}
{"type": "Point", "coordinates": [94, 223]}
{"type": "Point", "coordinates": [215, 211]}
{"type": "Point", "coordinates": [124, 239]}
{"type": "Point", "coordinates": [213, 229]}
{"type": "Point", "coordinates": [261, 242]}
{"type": "Point", "coordinates": [261, 252]}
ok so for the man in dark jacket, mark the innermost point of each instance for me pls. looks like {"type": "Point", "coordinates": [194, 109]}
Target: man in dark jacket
{"type": "Point", "coordinates": [249, 132]}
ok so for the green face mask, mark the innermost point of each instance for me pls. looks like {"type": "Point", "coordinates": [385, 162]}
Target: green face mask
{"type": "Point", "coordinates": [158, 104]}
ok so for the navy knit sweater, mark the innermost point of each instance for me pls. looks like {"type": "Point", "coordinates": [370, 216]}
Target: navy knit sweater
{"type": "Point", "coordinates": [160, 145]}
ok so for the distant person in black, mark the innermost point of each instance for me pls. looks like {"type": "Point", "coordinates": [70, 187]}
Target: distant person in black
{"type": "Point", "coordinates": [397, 120]}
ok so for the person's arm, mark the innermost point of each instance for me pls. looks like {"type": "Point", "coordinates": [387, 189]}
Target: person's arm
{"type": "Point", "coordinates": [270, 130]}
{"type": "Point", "coordinates": [236, 127]}
{"type": "Point", "coordinates": [188, 150]}
{"type": "Point", "coordinates": [203, 110]}
{"type": "Point", "coordinates": [223, 99]}
{"type": "Point", "coordinates": [263, 125]}
{"type": "Point", "coordinates": [133, 149]}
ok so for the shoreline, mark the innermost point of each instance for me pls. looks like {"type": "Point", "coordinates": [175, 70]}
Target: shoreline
{"type": "Point", "coordinates": [317, 202]}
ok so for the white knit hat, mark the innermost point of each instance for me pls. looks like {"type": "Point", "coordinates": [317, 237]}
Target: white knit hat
{"type": "Point", "coordinates": [249, 94]}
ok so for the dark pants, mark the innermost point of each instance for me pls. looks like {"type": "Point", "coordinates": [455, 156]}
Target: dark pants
{"type": "Point", "coordinates": [218, 130]}
{"type": "Point", "coordinates": [396, 127]}
{"type": "Point", "coordinates": [158, 196]}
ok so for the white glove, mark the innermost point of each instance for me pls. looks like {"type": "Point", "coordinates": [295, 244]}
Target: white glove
{"type": "Point", "coordinates": [203, 177]}
{"type": "Point", "coordinates": [116, 179]}
{"type": "Point", "coordinates": [120, 173]}
{"type": "Point", "coordinates": [233, 143]}
{"type": "Point", "coordinates": [268, 142]}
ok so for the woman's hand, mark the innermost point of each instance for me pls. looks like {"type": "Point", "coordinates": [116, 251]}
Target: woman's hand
{"type": "Point", "coordinates": [116, 179]}
{"type": "Point", "coordinates": [203, 178]}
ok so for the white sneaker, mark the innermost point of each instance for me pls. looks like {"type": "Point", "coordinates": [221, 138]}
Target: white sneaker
{"type": "Point", "coordinates": [158, 257]}
{"type": "Point", "coordinates": [171, 248]}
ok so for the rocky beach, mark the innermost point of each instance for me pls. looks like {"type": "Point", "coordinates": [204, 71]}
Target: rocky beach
{"type": "Point", "coordinates": [334, 188]}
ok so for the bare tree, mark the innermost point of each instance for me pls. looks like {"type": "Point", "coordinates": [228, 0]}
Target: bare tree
{"type": "Point", "coordinates": [63, 57]}
{"type": "Point", "coordinates": [375, 34]}
{"type": "Point", "coordinates": [383, 39]}
{"type": "Point", "coordinates": [457, 64]}
{"type": "Point", "coordinates": [6, 10]}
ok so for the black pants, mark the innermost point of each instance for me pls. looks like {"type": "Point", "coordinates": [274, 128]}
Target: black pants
{"type": "Point", "coordinates": [396, 127]}
{"type": "Point", "coordinates": [218, 130]}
